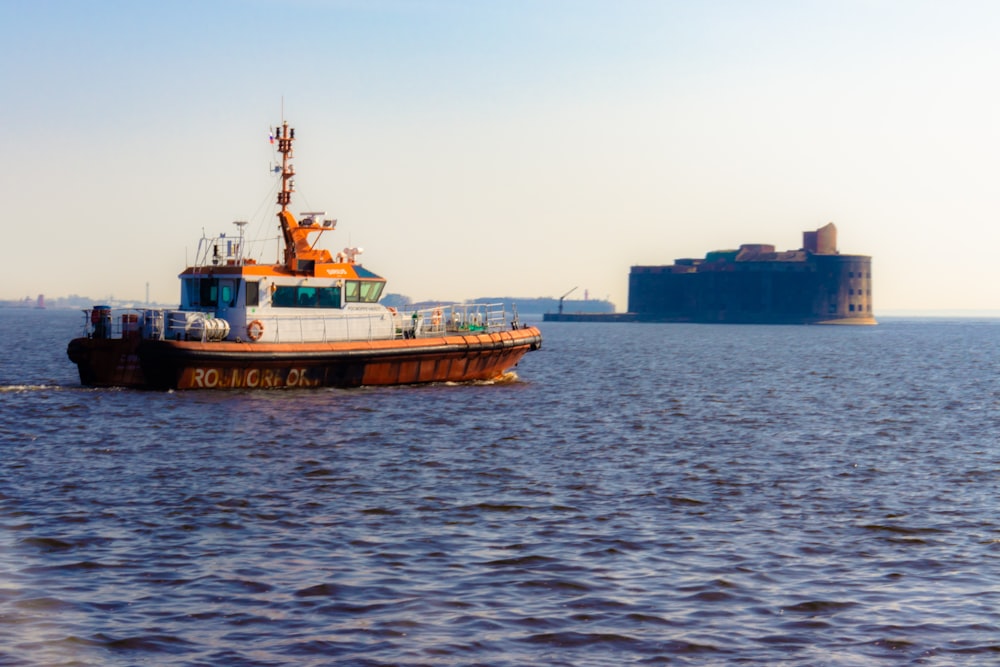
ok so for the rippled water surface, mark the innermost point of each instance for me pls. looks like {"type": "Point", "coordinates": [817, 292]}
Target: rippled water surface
{"type": "Point", "coordinates": [638, 494]}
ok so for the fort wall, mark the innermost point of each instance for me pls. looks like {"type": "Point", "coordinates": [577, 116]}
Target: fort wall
{"type": "Point", "coordinates": [756, 284]}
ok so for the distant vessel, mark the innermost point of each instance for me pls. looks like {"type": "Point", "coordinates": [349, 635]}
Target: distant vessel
{"type": "Point", "coordinates": [311, 320]}
{"type": "Point", "coordinates": [755, 284]}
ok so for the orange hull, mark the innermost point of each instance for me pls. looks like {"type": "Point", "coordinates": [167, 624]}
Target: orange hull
{"type": "Point", "coordinates": [165, 364]}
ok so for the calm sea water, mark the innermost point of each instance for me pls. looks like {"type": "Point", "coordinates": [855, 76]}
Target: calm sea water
{"type": "Point", "coordinates": [639, 494]}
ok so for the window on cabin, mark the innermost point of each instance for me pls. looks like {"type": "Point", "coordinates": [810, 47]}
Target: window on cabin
{"type": "Point", "coordinates": [370, 291]}
{"type": "Point", "coordinates": [328, 297]}
{"type": "Point", "coordinates": [283, 296]}
{"type": "Point", "coordinates": [352, 291]}
{"type": "Point", "coordinates": [306, 297]}
{"type": "Point", "coordinates": [190, 297]}
{"type": "Point", "coordinates": [253, 294]}
{"type": "Point", "coordinates": [227, 293]}
{"type": "Point", "coordinates": [366, 291]}
{"type": "Point", "coordinates": [208, 292]}
{"type": "Point", "coordinates": [301, 296]}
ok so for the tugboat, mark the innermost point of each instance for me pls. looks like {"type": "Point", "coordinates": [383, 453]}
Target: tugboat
{"type": "Point", "coordinates": [311, 320]}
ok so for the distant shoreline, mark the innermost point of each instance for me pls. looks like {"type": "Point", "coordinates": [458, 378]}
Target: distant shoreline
{"type": "Point", "coordinates": [955, 313]}
{"type": "Point", "coordinates": [958, 313]}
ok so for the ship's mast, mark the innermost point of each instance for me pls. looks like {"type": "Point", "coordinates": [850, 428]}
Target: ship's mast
{"type": "Point", "coordinates": [300, 255]}
{"type": "Point", "coordinates": [286, 135]}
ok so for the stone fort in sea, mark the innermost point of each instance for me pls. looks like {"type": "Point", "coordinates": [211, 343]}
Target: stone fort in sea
{"type": "Point", "coordinates": [757, 284]}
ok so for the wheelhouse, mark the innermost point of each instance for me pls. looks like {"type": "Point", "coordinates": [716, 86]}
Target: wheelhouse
{"type": "Point", "coordinates": [214, 292]}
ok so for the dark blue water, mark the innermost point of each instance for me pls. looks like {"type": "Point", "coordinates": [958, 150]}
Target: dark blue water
{"type": "Point", "coordinates": [640, 494]}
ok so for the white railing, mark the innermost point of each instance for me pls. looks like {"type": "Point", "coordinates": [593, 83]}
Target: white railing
{"type": "Point", "coordinates": [111, 322]}
{"type": "Point", "coordinates": [452, 319]}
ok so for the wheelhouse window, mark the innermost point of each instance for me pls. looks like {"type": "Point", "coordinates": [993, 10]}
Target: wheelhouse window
{"type": "Point", "coordinates": [371, 291]}
{"type": "Point", "coordinates": [199, 292]}
{"type": "Point", "coordinates": [227, 293]}
{"type": "Point", "coordinates": [253, 294]}
{"type": "Point", "coordinates": [208, 292]}
{"type": "Point", "coordinates": [301, 296]}
{"type": "Point", "coordinates": [365, 291]}
{"type": "Point", "coordinates": [190, 292]}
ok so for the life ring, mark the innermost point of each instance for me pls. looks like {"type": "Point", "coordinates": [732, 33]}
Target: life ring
{"type": "Point", "coordinates": [255, 330]}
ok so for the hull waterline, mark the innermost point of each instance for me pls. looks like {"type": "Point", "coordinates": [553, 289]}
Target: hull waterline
{"type": "Point", "coordinates": [165, 364]}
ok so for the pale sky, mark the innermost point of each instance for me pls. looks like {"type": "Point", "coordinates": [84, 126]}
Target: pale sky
{"type": "Point", "coordinates": [506, 148]}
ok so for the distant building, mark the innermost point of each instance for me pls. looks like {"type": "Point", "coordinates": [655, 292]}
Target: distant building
{"type": "Point", "coordinates": [756, 284]}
